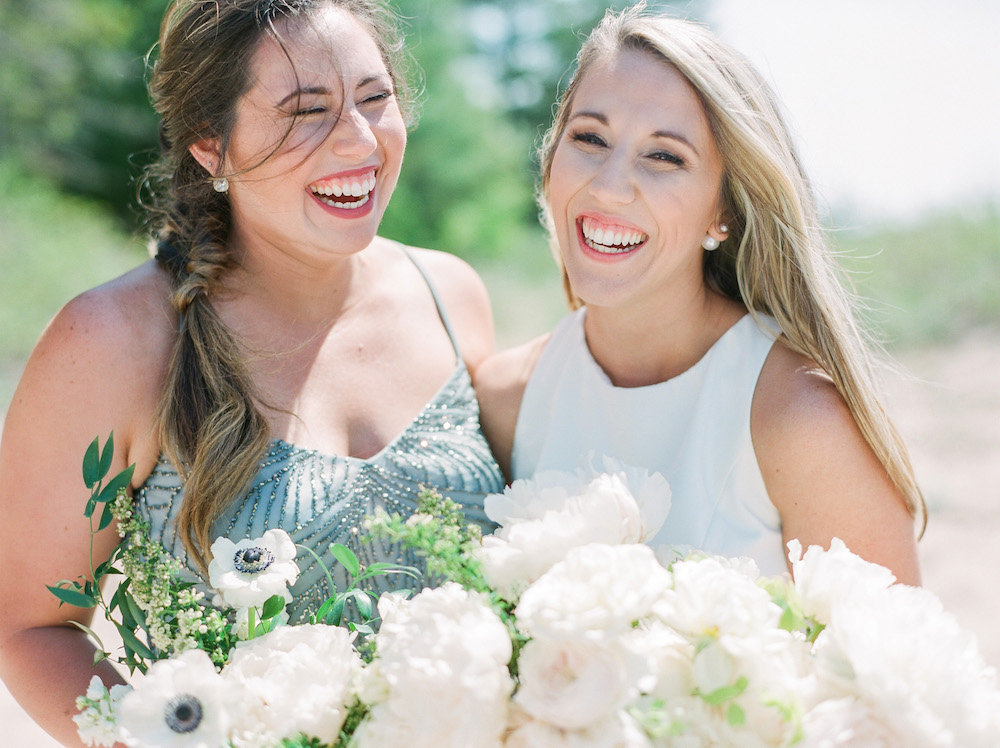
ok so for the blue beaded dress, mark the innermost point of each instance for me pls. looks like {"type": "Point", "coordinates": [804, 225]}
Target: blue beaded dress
{"type": "Point", "coordinates": [321, 499]}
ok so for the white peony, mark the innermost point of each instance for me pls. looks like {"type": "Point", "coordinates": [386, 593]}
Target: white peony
{"type": "Point", "coordinates": [302, 678]}
{"type": "Point", "coordinates": [917, 671]}
{"type": "Point", "coordinates": [824, 576]}
{"type": "Point", "coordinates": [181, 703]}
{"type": "Point", "coordinates": [598, 591]}
{"type": "Point", "coordinates": [544, 518]}
{"type": "Point", "coordinates": [249, 572]}
{"type": "Point", "coordinates": [617, 731]}
{"type": "Point", "coordinates": [442, 665]}
{"type": "Point", "coordinates": [573, 684]}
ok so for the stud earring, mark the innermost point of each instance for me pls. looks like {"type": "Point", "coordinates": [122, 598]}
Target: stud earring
{"type": "Point", "coordinates": [723, 228]}
{"type": "Point", "coordinates": [220, 185]}
{"type": "Point", "coordinates": [709, 243]}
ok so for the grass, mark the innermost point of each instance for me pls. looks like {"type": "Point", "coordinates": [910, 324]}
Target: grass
{"type": "Point", "coordinates": [52, 247]}
{"type": "Point", "coordinates": [930, 282]}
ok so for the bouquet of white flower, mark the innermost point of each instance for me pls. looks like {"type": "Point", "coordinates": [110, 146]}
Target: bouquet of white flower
{"type": "Point", "coordinates": [563, 629]}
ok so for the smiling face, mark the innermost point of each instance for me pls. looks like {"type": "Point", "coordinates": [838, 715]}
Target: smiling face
{"type": "Point", "coordinates": [635, 183]}
{"type": "Point", "coordinates": [318, 141]}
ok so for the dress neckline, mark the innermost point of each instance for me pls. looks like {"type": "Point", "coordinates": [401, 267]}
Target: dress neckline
{"type": "Point", "coordinates": [278, 444]}
{"type": "Point", "coordinates": [602, 375]}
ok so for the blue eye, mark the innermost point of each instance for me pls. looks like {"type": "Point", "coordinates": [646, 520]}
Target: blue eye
{"type": "Point", "coordinates": [588, 138]}
{"type": "Point", "coordinates": [667, 157]}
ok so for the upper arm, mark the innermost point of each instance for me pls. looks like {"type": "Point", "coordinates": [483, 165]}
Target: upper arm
{"type": "Point", "coordinates": [80, 382]}
{"type": "Point", "coordinates": [821, 473]}
{"type": "Point", "coordinates": [500, 383]}
{"type": "Point", "coordinates": [467, 303]}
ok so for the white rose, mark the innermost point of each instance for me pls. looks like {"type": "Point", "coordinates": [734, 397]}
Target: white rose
{"type": "Point", "coordinates": [249, 572]}
{"type": "Point", "coordinates": [302, 677]}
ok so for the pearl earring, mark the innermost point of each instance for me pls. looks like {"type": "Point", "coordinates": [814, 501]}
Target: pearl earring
{"type": "Point", "coordinates": [220, 185]}
{"type": "Point", "coordinates": [709, 243]}
{"type": "Point", "coordinates": [723, 228]}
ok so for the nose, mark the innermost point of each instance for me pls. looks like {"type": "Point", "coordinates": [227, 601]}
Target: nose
{"type": "Point", "coordinates": [353, 136]}
{"type": "Point", "coordinates": [612, 183]}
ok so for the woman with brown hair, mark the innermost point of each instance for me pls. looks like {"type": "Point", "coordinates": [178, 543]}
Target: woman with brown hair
{"type": "Point", "coordinates": [278, 364]}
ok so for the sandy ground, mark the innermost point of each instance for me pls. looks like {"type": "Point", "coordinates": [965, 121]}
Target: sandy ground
{"type": "Point", "coordinates": [948, 409]}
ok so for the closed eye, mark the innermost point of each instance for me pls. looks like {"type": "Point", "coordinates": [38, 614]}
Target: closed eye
{"type": "Point", "coordinates": [380, 96]}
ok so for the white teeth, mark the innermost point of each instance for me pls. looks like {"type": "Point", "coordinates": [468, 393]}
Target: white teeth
{"type": "Point", "coordinates": [612, 240]}
{"type": "Point", "coordinates": [350, 206]}
{"type": "Point", "coordinates": [346, 189]}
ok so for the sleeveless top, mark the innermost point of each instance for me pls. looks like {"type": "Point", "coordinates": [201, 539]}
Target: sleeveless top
{"type": "Point", "coordinates": [321, 499]}
{"type": "Point", "coordinates": [694, 429]}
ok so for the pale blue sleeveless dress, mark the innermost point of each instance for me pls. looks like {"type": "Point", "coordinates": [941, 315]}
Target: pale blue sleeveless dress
{"type": "Point", "coordinates": [694, 429]}
{"type": "Point", "coordinates": [321, 499]}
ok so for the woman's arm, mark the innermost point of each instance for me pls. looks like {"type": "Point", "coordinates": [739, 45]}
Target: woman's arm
{"type": "Point", "coordinates": [89, 374]}
{"type": "Point", "coordinates": [500, 383]}
{"type": "Point", "coordinates": [819, 471]}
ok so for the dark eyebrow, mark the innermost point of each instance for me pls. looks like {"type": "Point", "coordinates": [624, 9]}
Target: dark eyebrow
{"type": "Point", "coordinates": [301, 91]}
{"type": "Point", "coordinates": [323, 91]}
{"type": "Point", "coordinates": [668, 134]}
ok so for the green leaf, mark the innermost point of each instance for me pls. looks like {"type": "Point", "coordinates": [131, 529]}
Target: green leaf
{"type": "Point", "coordinates": [346, 556]}
{"type": "Point", "coordinates": [363, 602]}
{"type": "Point", "coordinates": [91, 465]}
{"type": "Point", "coordinates": [99, 656]}
{"type": "Point", "coordinates": [272, 607]}
{"type": "Point", "coordinates": [336, 613]}
{"type": "Point", "coordinates": [735, 716]}
{"type": "Point", "coordinates": [107, 455]}
{"type": "Point", "coordinates": [361, 628]}
{"type": "Point", "coordinates": [106, 518]}
{"type": "Point", "coordinates": [132, 643]}
{"type": "Point", "coordinates": [92, 634]}
{"type": "Point", "coordinates": [725, 693]}
{"type": "Point", "coordinates": [122, 480]}
{"type": "Point", "coordinates": [73, 597]}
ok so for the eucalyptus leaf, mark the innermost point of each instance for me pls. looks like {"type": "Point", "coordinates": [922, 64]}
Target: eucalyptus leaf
{"type": "Point", "coordinates": [91, 465]}
{"type": "Point", "coordinates": [133, 643]}
{"type": "Point", "coordinates": [73, 597]}
{"type": "Point", "coordinates": [120, 481]}
{"type": "Point", "coordinates": [92, 634]}
{"type": "Point", "coordinates": [107, 455]}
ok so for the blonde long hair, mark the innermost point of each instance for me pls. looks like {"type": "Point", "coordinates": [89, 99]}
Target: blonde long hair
{"type": "Point", "coordinates": [209, 422]}
{"type": "Point", "coordinates": [776, 261]}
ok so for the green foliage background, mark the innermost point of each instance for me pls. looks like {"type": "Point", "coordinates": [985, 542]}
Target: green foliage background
{"type": "Point", "coordinates": [76, 129]}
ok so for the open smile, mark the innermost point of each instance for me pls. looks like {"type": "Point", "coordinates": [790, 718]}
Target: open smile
{"type": "Point", "coordinates": [345, 192]}
{"type": "Point", "coordinates": [609, 238]}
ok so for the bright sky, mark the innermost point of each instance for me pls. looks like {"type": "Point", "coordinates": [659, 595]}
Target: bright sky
{"type": "Point", "coordinates": [895, 103]}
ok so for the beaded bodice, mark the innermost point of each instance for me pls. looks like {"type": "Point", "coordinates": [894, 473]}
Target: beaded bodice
{"type": "Point", "coordinates": [321, 499]}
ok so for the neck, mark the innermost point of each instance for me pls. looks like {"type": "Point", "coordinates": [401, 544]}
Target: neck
{"type": "Point", "coordinates": [641, 347]}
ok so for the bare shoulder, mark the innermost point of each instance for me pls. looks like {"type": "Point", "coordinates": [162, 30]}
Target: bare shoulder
{"type": "Point", "coordinates": [820, 472]}
{"type": "Point", "coordinates": [465, 297]}
{"type": "Point", "coordinates": [500, 382]}
{"type": "Point", "coordinates": [99, 363]}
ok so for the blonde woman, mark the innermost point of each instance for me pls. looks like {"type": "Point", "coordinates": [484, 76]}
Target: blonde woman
{"type": "Point", "coordinates": [278, 364]}
{"type": "Point", "coordinates": [711, 340]}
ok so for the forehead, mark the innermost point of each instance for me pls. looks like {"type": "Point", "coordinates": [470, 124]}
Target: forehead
{"type": "Point", "coordinates": [329, 44]}
{"type": "Point", "coordinates": [641, 87]}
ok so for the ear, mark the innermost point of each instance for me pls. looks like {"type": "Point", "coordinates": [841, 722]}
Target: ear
{"type": "Point", "coordinates": [206, 153]}
{"type": "Point", "coordinates": [719, 230]}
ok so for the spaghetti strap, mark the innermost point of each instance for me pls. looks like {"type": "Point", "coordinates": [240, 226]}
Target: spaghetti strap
{"type": "Point", "coordinates": [442, 313]}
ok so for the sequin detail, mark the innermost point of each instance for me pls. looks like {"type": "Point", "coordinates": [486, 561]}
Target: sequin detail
{"type": "Point", "coordinates": [321, 499]}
